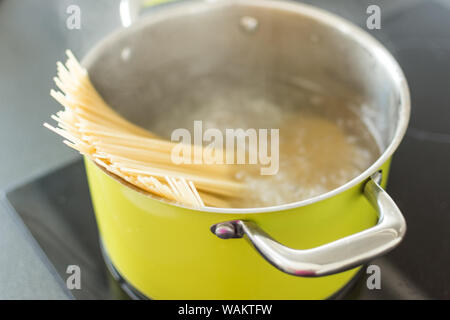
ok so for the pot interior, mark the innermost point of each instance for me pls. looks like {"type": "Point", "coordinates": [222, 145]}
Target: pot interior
{"type": "Point", "coordinates": [248, 64]}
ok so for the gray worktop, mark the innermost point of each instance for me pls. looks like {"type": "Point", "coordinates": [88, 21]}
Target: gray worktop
{"type": "Point", "coordinates": [33, 36]}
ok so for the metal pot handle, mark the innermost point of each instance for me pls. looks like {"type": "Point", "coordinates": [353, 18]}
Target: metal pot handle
{"type": "Point", "coordinates": [333, 257]}
{"type": "Point", "coordinates": [130, 9]}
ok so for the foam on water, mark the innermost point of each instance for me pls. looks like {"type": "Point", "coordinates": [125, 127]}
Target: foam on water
{"type": "Point", "coordinates": [323, 142]}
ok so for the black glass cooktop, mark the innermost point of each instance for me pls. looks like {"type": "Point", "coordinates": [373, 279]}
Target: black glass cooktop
{"type": "Point", "coordinates": [56, 208]}
{"type": "Point", "coordinates": [57, 211]}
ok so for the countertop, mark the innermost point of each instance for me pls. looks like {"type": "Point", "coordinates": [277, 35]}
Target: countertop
{"type": "Point", "coordinates": [33, 36]}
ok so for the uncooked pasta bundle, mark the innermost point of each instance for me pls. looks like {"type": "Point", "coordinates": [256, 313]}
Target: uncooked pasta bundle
{"type": "Point", "coordinates": [133, 154]}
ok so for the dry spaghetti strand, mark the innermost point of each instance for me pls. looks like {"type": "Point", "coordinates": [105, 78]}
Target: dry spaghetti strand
{"type": "Point", "coordinates": [88, 124]}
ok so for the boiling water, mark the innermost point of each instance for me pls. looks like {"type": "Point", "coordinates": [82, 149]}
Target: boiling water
{"type": "Point", "coordinates": [323, 143]}
{"type": "Point", "coordinates": [316, 155]}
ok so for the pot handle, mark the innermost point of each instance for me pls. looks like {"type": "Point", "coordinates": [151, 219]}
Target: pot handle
{"type": "Point", "coordinates": [333, 257]}
{"type": "Point", "coordinates": [130, 9]}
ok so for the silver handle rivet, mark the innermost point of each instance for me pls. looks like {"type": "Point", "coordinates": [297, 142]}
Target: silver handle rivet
{"type": "Point", "coordinates": [225, 230]}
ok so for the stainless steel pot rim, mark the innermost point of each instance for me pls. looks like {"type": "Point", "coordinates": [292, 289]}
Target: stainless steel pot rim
{"type": "Point", "coordinates": [364, 39]}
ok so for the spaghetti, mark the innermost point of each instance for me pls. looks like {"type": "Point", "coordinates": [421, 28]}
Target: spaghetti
{"type": "Point", "coordinates": [132, 153]}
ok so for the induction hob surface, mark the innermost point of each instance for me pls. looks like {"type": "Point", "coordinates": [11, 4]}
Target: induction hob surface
{"type": "Point", "coordinates": [57, 211]}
